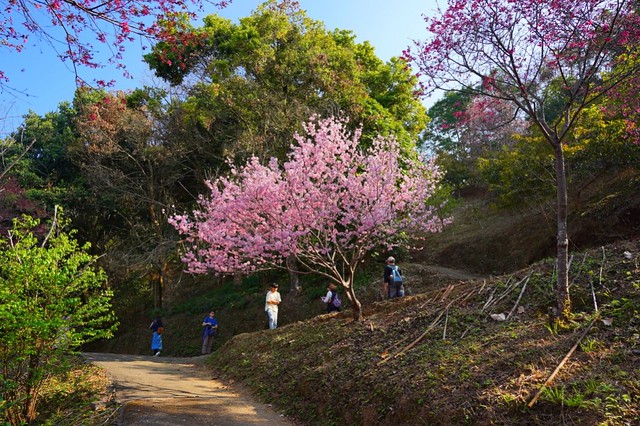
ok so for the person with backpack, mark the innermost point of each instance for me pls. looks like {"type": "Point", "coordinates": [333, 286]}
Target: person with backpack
{"type": "Point", "coordinates": [210, 324]}
{"type": "Point", "coordinates": [332, 299]}
{"type": "Point", "coordinates": [392, 277]}
{"type": "Point", "coordinates": [156, 339]}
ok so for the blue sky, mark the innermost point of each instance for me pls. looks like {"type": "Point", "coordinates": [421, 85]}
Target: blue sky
{"type": "Point", "coordinates": [44, 81]}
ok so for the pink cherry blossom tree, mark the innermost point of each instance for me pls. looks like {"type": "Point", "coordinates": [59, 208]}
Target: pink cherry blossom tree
{"type": "Point", "coordinates": [76, 30]}
{"type": "Point", "coordinates": [328, 205]}
{"type": "Point", "coordinates": [532, 53]}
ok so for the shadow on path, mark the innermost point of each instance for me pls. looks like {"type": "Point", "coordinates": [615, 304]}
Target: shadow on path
{"type": "Point", "coordinates": [167, 391]}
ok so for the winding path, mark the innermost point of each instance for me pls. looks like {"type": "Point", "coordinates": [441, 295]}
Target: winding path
{"type": "Point", "coordinates": [165, 391]}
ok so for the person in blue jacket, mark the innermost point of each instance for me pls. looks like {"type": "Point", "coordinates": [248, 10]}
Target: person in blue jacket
{"type": "Point", "coordinates": [210, 324]}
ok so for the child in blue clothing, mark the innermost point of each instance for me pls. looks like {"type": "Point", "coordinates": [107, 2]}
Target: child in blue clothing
{"type": "Point", "coordinates": [156, 339]}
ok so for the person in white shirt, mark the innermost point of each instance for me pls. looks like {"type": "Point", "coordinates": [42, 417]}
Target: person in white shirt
{"type": "Point", "coordinates": [271, 306]}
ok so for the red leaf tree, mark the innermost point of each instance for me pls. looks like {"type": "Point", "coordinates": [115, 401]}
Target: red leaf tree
{"type": "Point", "coordinates": [530, 53]}
{"type": "Point", "coordinates": [328, 205]}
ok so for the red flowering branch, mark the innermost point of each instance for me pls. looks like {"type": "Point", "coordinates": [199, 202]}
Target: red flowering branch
{"type": "Point", "coordinates": [76, 30]}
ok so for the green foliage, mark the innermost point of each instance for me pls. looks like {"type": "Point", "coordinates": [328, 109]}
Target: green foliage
{"type": "Point", "coordinates": [524, 175]}
{"type": "Point", "coordinates": [36, 172]}
{"type": "Point", "coordinates": [591, 393]}
{"type": "Point", "coordinates": [623, 307]}
{"type": "Point", "coordinates": [46, 161]}
{"type": "Point", "coordinates": [77, 396]}
{"type": "Point", "coordinates": [459, 172]}
{"type": "Point", "coordinates": [251, 85]}
{"type": "Point", "coordinates": [441, 135]}
{"type": "Point", "coordinates": [560, 396]}
{"type": "Point", "coordinates": [52, 300]}
{"type": "Point", "coordinates": [590, 345]}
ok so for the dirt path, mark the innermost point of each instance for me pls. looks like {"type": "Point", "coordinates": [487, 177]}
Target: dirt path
{"type": "Point", "coordinates": [165, 391]}
{"type": "Point", "coordinates": [452, 273]}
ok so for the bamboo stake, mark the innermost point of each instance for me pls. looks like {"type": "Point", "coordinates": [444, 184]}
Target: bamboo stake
{"type": "Point", "coordinates": [415, 342]}
{"type": "Point", "coordinates": [593, 293]}
{"type": "Point", "coordinates": [446, 321]}
{"type": "Point", "coordinates": [509, 290]}
{"type": "Point", "coordinates": [484, 283]}
{"type": "Point", "coordinates": [564, 360]}
{"type": "Point", "coordinates": [447, 292]}
{"type": "Point", "coordinates": [465, 332]}
{"type": "Point", "coordinates": [469, 294]}
{"type": "Point", "coordinates": [395, 344]}
{"type": "Point", "coordinates": [519, 297]}
{"type": "Point", "coordinates": [426, 302]}
{"type": "Point", "coordinates": [487, 303]}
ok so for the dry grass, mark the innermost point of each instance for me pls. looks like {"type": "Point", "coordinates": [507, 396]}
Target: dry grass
{"type": "Point", "coordinates": [440, 358]}
{"type": "Point", "coordinates": [81, 396]}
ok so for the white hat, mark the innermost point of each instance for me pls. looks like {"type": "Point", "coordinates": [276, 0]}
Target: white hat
{"type": "Point", "coordinates": [391, 259]}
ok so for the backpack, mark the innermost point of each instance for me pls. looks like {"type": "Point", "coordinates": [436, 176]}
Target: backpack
{"type": "Point", "coordinates": [335, 300]}
{"type": "Point", "coordinates": [397, 278]}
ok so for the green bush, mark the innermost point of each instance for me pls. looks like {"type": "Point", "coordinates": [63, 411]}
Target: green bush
{"type": "Point", "coordinates": [52, 300]}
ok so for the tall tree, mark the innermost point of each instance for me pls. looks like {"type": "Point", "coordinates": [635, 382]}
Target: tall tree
{"type": "Point", "coordinates": [327, 205]}
{"type": "Point", "coordinates": [442, 133]}
{"type": "Point", "coordinates": [34, 169]}
{"type": "Point", "coordinates": [131, 177]}
{"type": "Point", "coordinates": [250, 85]}
{"type": "Point", "coordinates": [521, 52]}
{"type": "Point", "coordinates": [465, 127]}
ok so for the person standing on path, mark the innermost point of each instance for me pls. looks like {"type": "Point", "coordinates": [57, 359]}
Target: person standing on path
{"type": "Point", "coordinates": [210, 324]}
{"type": "Point", "coordinates": [271, 305]}
{"type": "Point", "coordinates": [330, 298]}
{"type": "Point", "coordinates": [392, 279]}
{"type": "Point", "coordinates": [156, 339]}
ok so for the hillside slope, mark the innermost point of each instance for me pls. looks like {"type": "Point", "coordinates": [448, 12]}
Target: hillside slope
{"type": "Point", "coordinates": [438, 356]}
{"type": "Point", "coordinates": [487, 240]}
{"type": "Point", "coordinates": [482, 242]}
{"type": "Point", "coordinates": [446, 356]}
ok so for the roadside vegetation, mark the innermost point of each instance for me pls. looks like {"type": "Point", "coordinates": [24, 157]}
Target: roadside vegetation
{"type": "Point", "coordinates": [81, 395]}
{"type": "Point", "coordinates": [442, 354]}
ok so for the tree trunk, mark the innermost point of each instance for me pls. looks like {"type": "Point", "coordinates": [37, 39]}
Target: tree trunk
{"type": "Point", "coordinates": [355, 303]}
{"type": "Point", "coordinates": [30, 411]}
{"type": "Point", "coordinates": [237, 279]}
{"type": "Point", "coordinates": [157, 284]}
{"type": "Point", "coordinates": [562, 284]}
{"type": "Point", "coordinates": [294, 278]}
{"type": "Point", "coordinates": [31, 390]}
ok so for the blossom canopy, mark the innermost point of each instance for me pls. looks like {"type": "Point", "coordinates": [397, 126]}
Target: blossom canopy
{"type": "Point", "coordinates": [327, 205]}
